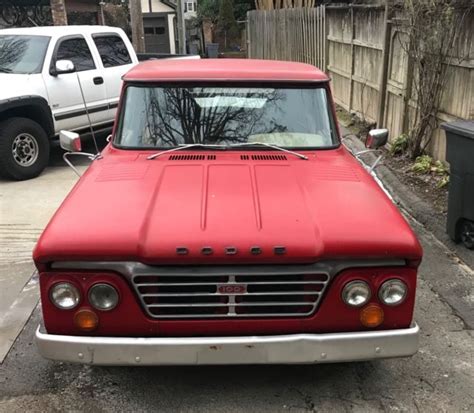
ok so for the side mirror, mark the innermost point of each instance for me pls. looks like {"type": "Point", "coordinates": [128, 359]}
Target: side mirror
{"type": "Point", "coordinates": [64, 66]}
{"type": "Point", "coordinates": [376, 138]}
{"type": "Point", "coordinates": [70, 141]}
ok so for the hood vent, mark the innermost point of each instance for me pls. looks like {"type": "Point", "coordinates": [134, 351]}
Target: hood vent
{"type": "Point", "coordinates": [268, 158]}
{"type": "Point", "coordinates": [263, 157]}
{"type": "Point", "coordinates": [192, 157]}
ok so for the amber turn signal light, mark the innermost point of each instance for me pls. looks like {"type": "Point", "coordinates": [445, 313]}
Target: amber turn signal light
{"type": "Point", "coordinates": [86, 320]}
{"type": "Point", "coordinates": [371, 316]}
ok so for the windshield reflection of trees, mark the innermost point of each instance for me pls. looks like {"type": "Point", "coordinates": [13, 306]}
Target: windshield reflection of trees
{"type": "Point", "coordinates": [173, 117]}
{"type": "Point", "coordinates": [12, 50]}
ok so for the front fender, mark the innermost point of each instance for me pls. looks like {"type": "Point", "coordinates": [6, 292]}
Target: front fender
{"type": "Point", "coordinates": [31, 106]}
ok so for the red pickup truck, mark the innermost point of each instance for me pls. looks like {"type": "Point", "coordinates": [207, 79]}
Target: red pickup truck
{"type": "Point", "coordinates": [225, 223]}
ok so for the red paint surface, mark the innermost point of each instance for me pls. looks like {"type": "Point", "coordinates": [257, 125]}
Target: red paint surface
{"type": "Point", "coordinates": [126, 207]}
{"type": "Point", "coordinates": [224, 70]}
{"type": "Point", "coordinates": [128, 319]}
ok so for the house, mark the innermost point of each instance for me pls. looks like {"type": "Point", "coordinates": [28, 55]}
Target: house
{"type": "Point", "coordinates": [159, 23]}
{"type": "Point", "coordinates": [190, 9]}
{"type": "Point", "coordinates": [159, 26]}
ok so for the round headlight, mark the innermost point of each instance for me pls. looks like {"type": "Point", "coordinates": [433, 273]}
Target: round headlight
{"type": "Point", "coordinates": [64, 296]}
{"type": "Point", "coordinates": [393, 292]}
{"type": "Point", "coordinates": [356, 293]}
{"type": "Point", "coordinates": [103, 297]}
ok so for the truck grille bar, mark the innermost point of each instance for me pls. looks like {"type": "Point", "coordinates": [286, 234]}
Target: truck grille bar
{"type": "Point", "coordinates": [207, 295]}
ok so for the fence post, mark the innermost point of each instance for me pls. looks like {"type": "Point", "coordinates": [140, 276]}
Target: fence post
{"type": "Point", "coordinates": [325, 31]}
{"type": "Point", "coordinates": [247, 29]}
{"type": "Point", "coordinates": [351, 84]}
{"type": "Point", "coordinates": [383, 75]}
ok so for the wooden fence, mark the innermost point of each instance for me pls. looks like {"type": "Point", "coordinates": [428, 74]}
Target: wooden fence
{"type": "Point", "coordinates": [288, 34]}
{"type": "Point", "coordinates": [370, 70]}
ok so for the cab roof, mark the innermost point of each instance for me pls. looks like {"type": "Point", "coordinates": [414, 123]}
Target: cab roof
{"type": "Point", "coordinates": [224, 70]}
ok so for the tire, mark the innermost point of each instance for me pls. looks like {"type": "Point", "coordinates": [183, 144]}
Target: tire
{"type": "Point", "coordinates": [24, 149]}
{"type": "Point", "coordinates": [467, 234]}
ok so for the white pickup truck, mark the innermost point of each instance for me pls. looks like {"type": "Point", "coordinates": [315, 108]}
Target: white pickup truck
{"type": "Point", "coordinates": [38, 99]}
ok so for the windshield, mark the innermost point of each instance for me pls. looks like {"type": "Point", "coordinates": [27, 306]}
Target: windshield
{"type": "Point", "coordinates": [22, 54]}
{"type": "Point", "coordinates": [164, 117]}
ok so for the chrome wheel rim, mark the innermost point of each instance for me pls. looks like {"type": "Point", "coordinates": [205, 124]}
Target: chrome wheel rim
{"type": "Point", "coordinates": [25, 149]}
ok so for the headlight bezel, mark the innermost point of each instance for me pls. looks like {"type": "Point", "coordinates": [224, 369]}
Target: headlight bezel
{"type": "Point", "coordinates": [388, 284]}
{"type": "Point", "coordinates": [72, 287]}
{"type": "Point", "coordinates": [354, 284]}
{"type": "Point", "coordinates": [93, 302]}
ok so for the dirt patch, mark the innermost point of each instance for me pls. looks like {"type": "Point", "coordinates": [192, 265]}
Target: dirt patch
{"type": "Point", "coordinates": [353, 123]}
{"type": "Point", "coordinates": [426, 186]}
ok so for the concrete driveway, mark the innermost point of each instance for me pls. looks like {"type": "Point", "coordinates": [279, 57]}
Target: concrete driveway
{"type": "Point", "coordinates": [25, 209]}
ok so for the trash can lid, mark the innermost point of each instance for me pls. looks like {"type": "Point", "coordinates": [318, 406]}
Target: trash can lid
{"type": "Point", "coordinates": [460, 127]}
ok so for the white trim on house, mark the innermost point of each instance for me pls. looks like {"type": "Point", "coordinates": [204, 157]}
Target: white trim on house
{"type": "Point", "coordinates": [155, 6]}
{"type": "Point", "coordinates": [171, 25]}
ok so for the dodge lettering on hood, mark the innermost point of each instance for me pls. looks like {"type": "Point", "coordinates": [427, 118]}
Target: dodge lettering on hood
{"type": "Point", "coordinates": [226, 223]}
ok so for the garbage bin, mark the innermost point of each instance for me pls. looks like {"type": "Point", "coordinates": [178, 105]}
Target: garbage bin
{"type": "Point", "coordinates": [212, 50]}
{"type": "Point", "coordinates": [460, 155]}
{"type": "Point", "coordinates": [193, 48]}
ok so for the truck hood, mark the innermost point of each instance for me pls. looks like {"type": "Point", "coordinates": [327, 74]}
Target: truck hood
{"type": "Point", "coordinates": [217, 207]}
{"type": "Point", "coordinates": [16, 85]}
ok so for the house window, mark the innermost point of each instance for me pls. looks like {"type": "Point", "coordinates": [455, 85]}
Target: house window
{"type": "Point", "coordinates": [190, 6]}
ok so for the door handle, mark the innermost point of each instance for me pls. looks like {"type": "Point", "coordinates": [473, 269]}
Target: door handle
{"type": "Point", "coordinates": [98, 80]}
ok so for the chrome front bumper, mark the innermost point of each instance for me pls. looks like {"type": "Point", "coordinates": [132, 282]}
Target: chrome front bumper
{"type": "Point", "coordinates": [284, 349]}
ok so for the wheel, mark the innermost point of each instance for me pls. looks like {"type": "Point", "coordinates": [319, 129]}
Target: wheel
{"type": "Point", "coordinates": [467, 234]}
{"type": "Point", "coordinates": [24, 149]}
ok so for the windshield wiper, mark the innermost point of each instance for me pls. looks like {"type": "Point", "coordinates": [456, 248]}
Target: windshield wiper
{"type": "Point", "coordinates": [269, 145]}
{"type": "Point", "coordinates": [5, 70]}
{"type": "Point", "coordinates": [186, 146]}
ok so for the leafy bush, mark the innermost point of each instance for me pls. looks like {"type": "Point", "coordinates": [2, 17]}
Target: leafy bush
{"type": "Point", "coordinates": [439, 168]}
{"type": "Point", "coordinates": [443, 181]}
{"type": "Point", "coordinates": [399, 145]}
{"type": "Point", "coordinates": [425, 165]}
{"type": "Point", "coordinates": [422, 164]}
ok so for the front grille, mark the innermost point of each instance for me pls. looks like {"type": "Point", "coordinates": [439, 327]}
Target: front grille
{"type": "Point", "coordinates": [197, 295]}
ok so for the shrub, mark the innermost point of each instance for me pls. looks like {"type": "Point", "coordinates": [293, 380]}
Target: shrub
{"type": "Point", "coordinates": [439, 168]}
{"type": "Point", "coordinates": [399, 145]}
{"type": "Point", "coordinates": [422, 164]}
{"type": "Point", "coordinates": [443, 181]}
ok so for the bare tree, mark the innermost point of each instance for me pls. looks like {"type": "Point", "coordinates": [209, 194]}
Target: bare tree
{"type": "Point", "coordinates": [433, 28]}
{"type": "Point", "coordinates": [174, 117]}
{"type": "Point", "coordinates": [11, 50]}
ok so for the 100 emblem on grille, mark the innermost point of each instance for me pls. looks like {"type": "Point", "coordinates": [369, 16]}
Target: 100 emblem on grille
{"type": "Point", "coordinates": [232, 288]}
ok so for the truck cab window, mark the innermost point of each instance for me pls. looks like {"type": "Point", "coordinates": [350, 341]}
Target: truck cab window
{"type": "Point", "coordinates": [77, 51]}
{"type": "Point", "coordinates": [112, 50]}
